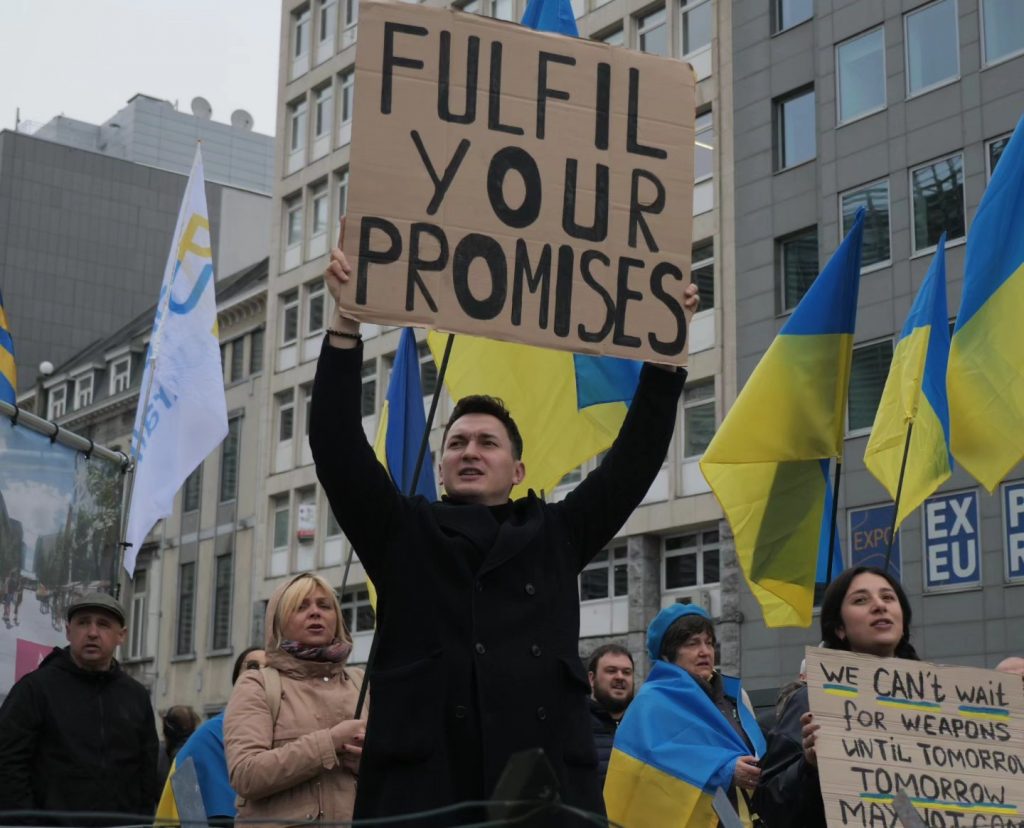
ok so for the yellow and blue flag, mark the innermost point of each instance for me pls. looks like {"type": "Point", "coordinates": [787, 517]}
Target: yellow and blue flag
{"type": "Point", "coordinates": [673, 749]}
{"type": "Point", "coordinates": [986, 356]}
{"type": "Point", "coordinates": [402, 423]}
{"type": "Point", "coordinates": [914, 398]}
{"type": "Point", "coordinates": [768, 462]}
{"type": "Point", "coordinates": [8, 372]}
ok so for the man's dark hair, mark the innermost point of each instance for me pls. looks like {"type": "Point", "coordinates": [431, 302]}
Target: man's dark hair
{"type": "Point", "coordinates": [605, 649]}
{"type": "Point", "coordinates": [484, 404]}
{"type": "Point", "coordinates": [681, 630]}
{"type": "Point", "coordinates": [240, 663]}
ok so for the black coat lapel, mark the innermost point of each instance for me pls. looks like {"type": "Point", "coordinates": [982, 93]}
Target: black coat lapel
{"type": "Point", "coordinates": [516, 533]}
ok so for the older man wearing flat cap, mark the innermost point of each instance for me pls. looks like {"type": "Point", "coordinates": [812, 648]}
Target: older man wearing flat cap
{"type": "Point", "coordinates": [78, 733]}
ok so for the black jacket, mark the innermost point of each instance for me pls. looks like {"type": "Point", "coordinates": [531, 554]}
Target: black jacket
{"type": "Point", "coordinates": [789, 792]}
{"type": "Point", "coordinates": [478, 608]}
{"type": "Point", "coordinates": [76, 740]}
{"type": "Point", "coordinates": [603, 726]}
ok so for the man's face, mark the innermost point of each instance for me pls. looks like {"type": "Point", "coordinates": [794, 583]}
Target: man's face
{"type": "Point", "coordinates": [612, 682]}
{"type": "Point", "coordinates": [477, 463]}
{"type": "Point", "coordinates": [94, 635]}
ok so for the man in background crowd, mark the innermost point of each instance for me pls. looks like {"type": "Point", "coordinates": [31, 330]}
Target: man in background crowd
{"type": "Point", "coordinates": [611, 690]}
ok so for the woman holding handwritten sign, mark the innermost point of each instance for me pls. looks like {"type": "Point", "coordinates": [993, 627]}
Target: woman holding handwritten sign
{"type": "Point", "coordinates": [865, 610]}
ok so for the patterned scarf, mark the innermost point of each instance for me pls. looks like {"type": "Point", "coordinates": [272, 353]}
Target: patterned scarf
{"type": "Point", "coordinates": [336, 651]}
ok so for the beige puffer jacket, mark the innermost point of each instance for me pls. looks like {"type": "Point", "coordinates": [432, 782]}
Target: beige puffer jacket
{"type": "Point", "coordinates": [289, 770]}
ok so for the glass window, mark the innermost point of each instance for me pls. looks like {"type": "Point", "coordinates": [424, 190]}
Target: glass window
{"type": "Point", "coordinates": [186, 609]}
{"type": "Point", "coordinates": [285, 415]}
{"type": "Point", "coordinates": [933, 47]}
{"type": "Point", "coordinates": [348, 80]}
{"type": "Point", "coordinates": [502, 9]}
{"type": "Point", "coordinates": [223, 566]}
{"type": "Point", "coordinates": [192, 489]}
{"type": "Point", "coordinates": [83, 391]}
{"type": "Point", "coordinates": [428, 369]}
{"type": "Point", "coordinates": [315, 300]}
{"type": "Point", "coordinates": [281, 521]}
{"type": "Point", "coordinates": [798, 265]}
{"type": "Point", "coordinates": [300, 33]}
{"type": "Point", "coordinates": [319, 200]}
{"type": "Point", "coordinates": [357, 611]}
{"type": "Point", "coordinates": [120, 375]}
{"type": "Point", "coordinates": [294, 229]}
{"type": "Point", "coordinates": [995, 152]}
{"type": "Point", "coordinates": [139, 615]}
{"type": "Point", "coordinates": [297, 129]}
{"type": "Point", "coordinates": [229, 456]}
{"type": "Point", "coordinates": [328, 15]}
{"type": "Point", "coordinates": [860, 71]}
{"type": "Point", "coordinates": [867, 379]}
{"type": "Point", "coordinates": [790, 12]}
{"type": "Point", "coordinates": [369, 374]}
{"type": "Point", "coordinates": [342, 193]}
{"type": "Point", "coordinates": [351, 12]}
{"type": "Point", "coordinates": [57, 402]}
{"type": "Point", "coordinates": [937, 190]}
{"type": "Point", "coordinates": [698, 417]}
{"type": "Point", "coordinates": [796, 135]}
{"type": "Point", "coordinates": [1003, 26]}
{"type": "Point", "coordinates": [704, 147]}
{"type": "Point", "coordinates": [697, 20]}
{"type": "Point", "coordinates": [616, 37]}
{"type": "Point", "coordinates": [875, 199]}
{"type": "Point", "coordinates": [333, 527]}
{"type": "Point", "coordinates": [237, 359]}
{"type": "Point", "coordinates": [307, 406]}
{"type": "Point", "coordinates": [322, 111]}
{"type": "Point", "coordinates": [702, 272]}
{"type": "Point", "coordinates": [653, 32]}
{"type": "Point", "coordinates": [256, 351]}
{"type": "Point", "coordinates": [289, 317]}
{"type": "Point", "coordinates": [606, 576]}
{"type": "Point", "coordinates": [690, 560]}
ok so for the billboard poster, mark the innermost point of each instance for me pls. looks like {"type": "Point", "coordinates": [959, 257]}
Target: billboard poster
{"type": "Point", "coordinates": [59, 517]}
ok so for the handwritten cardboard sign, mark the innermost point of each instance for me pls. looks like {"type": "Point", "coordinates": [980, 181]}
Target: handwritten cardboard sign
{"type": "Point", "coordinates": [951, 737]}
{"type": "Point", "coordinates": [519, 185]}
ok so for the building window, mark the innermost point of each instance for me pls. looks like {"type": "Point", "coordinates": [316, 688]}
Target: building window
{"type": "Point", "coordinates": [860, 75]}
{"type": "Point", "coordinates": [1003, 29]}
{"type": "Point", "coordinates": [139, 612]}
{"type": "Point", "coordinates": [297, 126]}
{"type": "Point", "coordinates": [289, 317]}
{"type": "Point", "coordinates": [993, 152]}
{"type": "Point", "coordinates": [328, 20]}
{"type": "Point", "coordinates": [342, 193]}
{"type": "Point", "coordinates": [223, 565]}
{"type": "Point", "coordinates": [868, 373]}
{"type": "Point", "coordinates": [57, 402]}
{"type": "Point", "coordinates": [192, 489]}
{"type": "Point", "coordinates": [237, 371]}
{"type": "Point", "coordinates": [183, 644]}
{"type": "Point", "coordinates": [795, 131]}
{"type": "Point", "coordinates": [702, 272]}
{"type": "Point", "coordinates": [315, 300]}
{"type": "Point", "coordinates": [300, 34]}
{"type": "Point", "coordinates": [293, 237]}
{"type": "Point", "coordinates": [285, 415]}
{"type": "Point", "coordinates": [120, 375]}
{"type": "Point", "coordinates": [322, 111]}
{"type": "Point", "coordinates": [351, 13]}
{"type": "Point", "coordinates": [348, 89]}
{"type": "Point", "coordinates": [789, 13]}
{"type": "Point", "coordinates": [933, 46]}
{"type": "Point", "coordinates": [357, 611]}
{"type": "Point", "coordinates": [369, 374]}
{"type": "Point", "coordinates": [83, 391]}
{"type": "Point", "coordinates": [256, 351]}
{"type": "Point", "coordinates": [615, 37]}
{"type": "Point", "coordinates": [333, 527]}
{"type": "Point", "coordinates": [652, 30]}
{"type": "Point", "coordinates": [690, 560]}
{"type": "Point", "coordinates": [698, 417]}
{"type": "Point", "coordinates": [307, 407]}
{"type": "Point", "coordinates": [281, 522]}
{"type": "Point", "coordinates": [797, 257]}
{"type": "Point", "coordinates": [428, 369]}
{"type": "Point", "coordinates": [319, 204]}
{"type": "Point", "coordinates": [606, 576]}
{"type": "Point", "coordinates": [937, 191]}
{"type": "Point", "coordinates": [229, 455]}
{"type": "Point", "coordinates": [697, 17]}
{"type": "Point", "coordinates": [875, 199]}
{"type": "Point", "coordinates": [704, 147]}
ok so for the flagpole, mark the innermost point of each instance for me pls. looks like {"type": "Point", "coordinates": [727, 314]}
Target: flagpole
{"type": "Point", "coordinates": [424, 442]}
{"type": "Point", "coordinates": [899, 492]}
{"type": "Point", "coordinates": [835, 518]}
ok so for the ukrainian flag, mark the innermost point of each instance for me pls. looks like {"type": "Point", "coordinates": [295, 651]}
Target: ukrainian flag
{"type": "Point", "coordinates": [767, 464]}
{"type": "Point", "coordinates": [402, 423]}
{"type": "Point", "coordinates": [986, 356]}
{"type": "Point", "coordinates": [8, 373]}
{"type": "Point", "coordinates": [673, 749]}
{"type": "Point", "coordinates": [914, 400]}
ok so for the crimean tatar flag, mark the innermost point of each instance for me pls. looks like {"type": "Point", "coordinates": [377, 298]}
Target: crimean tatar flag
{"type": "Point", "coordinates": [182, 413]}
{"type": "Point", "coordinates": [986, 355]}
{"type": "Point", "coordinates": [915, 394]}
{"type": "Point", "coordinates": [8, 373]}
{"type": "Point", "coordinates": [767, 464]}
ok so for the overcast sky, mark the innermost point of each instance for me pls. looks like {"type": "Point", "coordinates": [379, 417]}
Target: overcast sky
{"type": "Point", "coordinates": [86, 58]}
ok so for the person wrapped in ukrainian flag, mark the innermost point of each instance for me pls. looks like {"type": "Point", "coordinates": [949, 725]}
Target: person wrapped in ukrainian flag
{"type": "Point", "coordinates": [689, 731]}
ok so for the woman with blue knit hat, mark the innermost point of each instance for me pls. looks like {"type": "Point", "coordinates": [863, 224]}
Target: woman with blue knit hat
{"type": "Point", "coordinates": [689, 731]}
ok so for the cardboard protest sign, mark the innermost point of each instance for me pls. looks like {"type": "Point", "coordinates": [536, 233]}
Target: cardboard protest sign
{"type": "Point", "coordinates": [519, 185]}
{"type": "Point", "coordinates": [952, 738]}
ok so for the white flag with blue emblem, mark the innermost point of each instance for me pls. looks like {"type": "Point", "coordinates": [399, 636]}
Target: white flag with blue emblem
{"type": "Point", "coordinates": [182, 414]}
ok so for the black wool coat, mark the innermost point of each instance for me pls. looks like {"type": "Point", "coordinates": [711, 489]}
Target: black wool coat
{"type": "Point", "coordinates": [478, 608]}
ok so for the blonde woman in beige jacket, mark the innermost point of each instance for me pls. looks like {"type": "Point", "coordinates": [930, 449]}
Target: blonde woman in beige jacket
{"type": "Point", "coordinates": [291, 741]}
